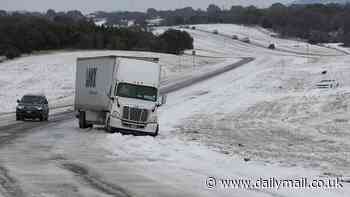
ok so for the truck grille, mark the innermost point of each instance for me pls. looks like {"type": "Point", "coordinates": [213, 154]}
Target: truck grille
{"type": "Point", "coordinates": [135, 114]}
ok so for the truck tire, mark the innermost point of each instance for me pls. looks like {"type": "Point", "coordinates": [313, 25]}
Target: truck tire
{"type": "Point", "coordinates": [155, 134]}
{"type": "Point", "coordinates": [108, 126]}
{"type": "Point", "coordinates": [82, 120]}
{"type": "Point", "coordinates": [18, 117]}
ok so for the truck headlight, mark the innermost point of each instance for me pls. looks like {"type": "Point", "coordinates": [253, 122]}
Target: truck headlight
{"type": "Point", "coordinates": [153, 119]}
{"type": "Point", "coordinates": [39, 108]}
{"type": "Point", "coordinates": [115, 114]}
{"type": "Point", "coordinates": [20, 107]}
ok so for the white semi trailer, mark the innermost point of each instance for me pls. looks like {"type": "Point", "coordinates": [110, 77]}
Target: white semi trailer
{"type": "Point", "coordinates": [121, 93]}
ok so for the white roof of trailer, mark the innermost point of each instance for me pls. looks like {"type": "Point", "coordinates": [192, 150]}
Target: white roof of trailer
{"type": "Point", "coordinates": [138, 72]}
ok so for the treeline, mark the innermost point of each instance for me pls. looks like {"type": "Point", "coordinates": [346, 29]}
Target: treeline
{"type": "Point", "coordinates": [25, 33]}
{"type": "Point", "coordinates": [317, 23]}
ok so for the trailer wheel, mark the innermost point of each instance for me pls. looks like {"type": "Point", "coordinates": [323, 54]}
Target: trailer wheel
{"type": "Point", "coordinates": [82, 120]}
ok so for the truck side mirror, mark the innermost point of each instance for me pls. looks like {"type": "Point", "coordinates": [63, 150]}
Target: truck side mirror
{"type": "Point", "coordinates": [162, 100]}
{"type": "Point", "coordinates": [109, 95]}
{"type": "Point", "coordinates": [18, 101]}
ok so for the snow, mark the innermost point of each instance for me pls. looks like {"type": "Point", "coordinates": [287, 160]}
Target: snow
{"type": "Point", "coordinates": [158, 31]}
{"type": "Point", "coordinates": [268, 112]}
{"type": "Point", "coordinates": [53, 74]}
{"type": "Point", "coordinates": [338, 46]}
{"type": "Point", "coordinates": [264, 38]}
{"type": "Point", "coordinates": [201, 115]}
{"type": "Point", "coordinates": [190, 164]}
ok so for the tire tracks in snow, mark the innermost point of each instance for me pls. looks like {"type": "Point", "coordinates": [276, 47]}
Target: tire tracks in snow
{"type": "Point", "coordinates": [93, 180]}
{"type": "Point", "coordinates": [9, 185]}
{"type": "Point", "coordinates": [11, 132]}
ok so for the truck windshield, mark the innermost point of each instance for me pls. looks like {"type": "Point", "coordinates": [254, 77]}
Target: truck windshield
{"type": "Point", "coordinates": [137, 91]}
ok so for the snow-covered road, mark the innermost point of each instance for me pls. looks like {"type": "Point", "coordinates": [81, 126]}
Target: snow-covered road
{"type": "Point", "coordinates": [53, 74]}
{"type": "Point", "coordinates": [265, 119]}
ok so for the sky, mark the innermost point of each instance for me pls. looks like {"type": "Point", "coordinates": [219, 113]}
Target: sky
{"type": "Point", "coordinates": [88, 6]}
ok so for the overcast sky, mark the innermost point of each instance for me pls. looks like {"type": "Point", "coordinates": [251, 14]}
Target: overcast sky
{"type": "Point", "coordinates": [87, 6]}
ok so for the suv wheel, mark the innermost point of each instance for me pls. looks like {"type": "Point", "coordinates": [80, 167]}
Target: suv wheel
{"type": "Point", "coordinates": [18, 117]}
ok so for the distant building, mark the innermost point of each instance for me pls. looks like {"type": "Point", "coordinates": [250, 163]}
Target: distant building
{"type": "Point", "coordinates": [100, 21]}
{"type": "Point", "coordinates": [154, 22]}
{"type": "Point", "coordinates": [131, 23]}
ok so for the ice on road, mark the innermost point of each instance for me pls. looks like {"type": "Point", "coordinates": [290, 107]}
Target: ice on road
{"type": "Point", "coordinates": [53, 74]}
{"type": "Point", "coordinates": [266, 119]}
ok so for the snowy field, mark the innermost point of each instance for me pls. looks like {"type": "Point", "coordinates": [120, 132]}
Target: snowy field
{"type": "Point", "coordinates": [338, 46]}
{"type": "Point", "coordinates": [54, 74]}
{"type": "Point", "coordinates": [263, 37]}
{"type": "Point", "coordinates": [269, 111]}
{"type": "Point", "coordinates": [230, 126]}
{"type": "Point", "coordinates": [265, 119]}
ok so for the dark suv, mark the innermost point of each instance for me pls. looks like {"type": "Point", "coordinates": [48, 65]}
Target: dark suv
{"type": "Point", "coordinates": [32, 106]}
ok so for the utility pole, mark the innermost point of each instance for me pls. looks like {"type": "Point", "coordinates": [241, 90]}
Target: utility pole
{"type": "Point", "coordinates": [308, 52]}
{"type": "Point", "coordinates": [194, 58]}
{"type": "Point", "coordinates": [179, 62]}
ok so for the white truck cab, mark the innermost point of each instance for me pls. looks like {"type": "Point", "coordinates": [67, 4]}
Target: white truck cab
{"type": "Point", "coordinates": [121, 93]}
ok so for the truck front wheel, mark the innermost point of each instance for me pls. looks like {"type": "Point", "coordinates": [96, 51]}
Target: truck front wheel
{"type": "Point", "coordinates": [108, 125]}
{"type": "Point", "coordinates": [155, 134]}
{"type": "Point", "coordinates": [82, 120]}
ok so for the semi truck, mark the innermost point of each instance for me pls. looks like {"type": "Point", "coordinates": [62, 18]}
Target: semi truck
{"type": "Point", "coordinates": [119, 92]}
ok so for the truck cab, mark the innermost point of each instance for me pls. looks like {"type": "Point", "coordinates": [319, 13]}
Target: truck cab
{"type": "Point", "coordinates": [123, 94]}
{"type": "Point", "coordinates": [135, 99]}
